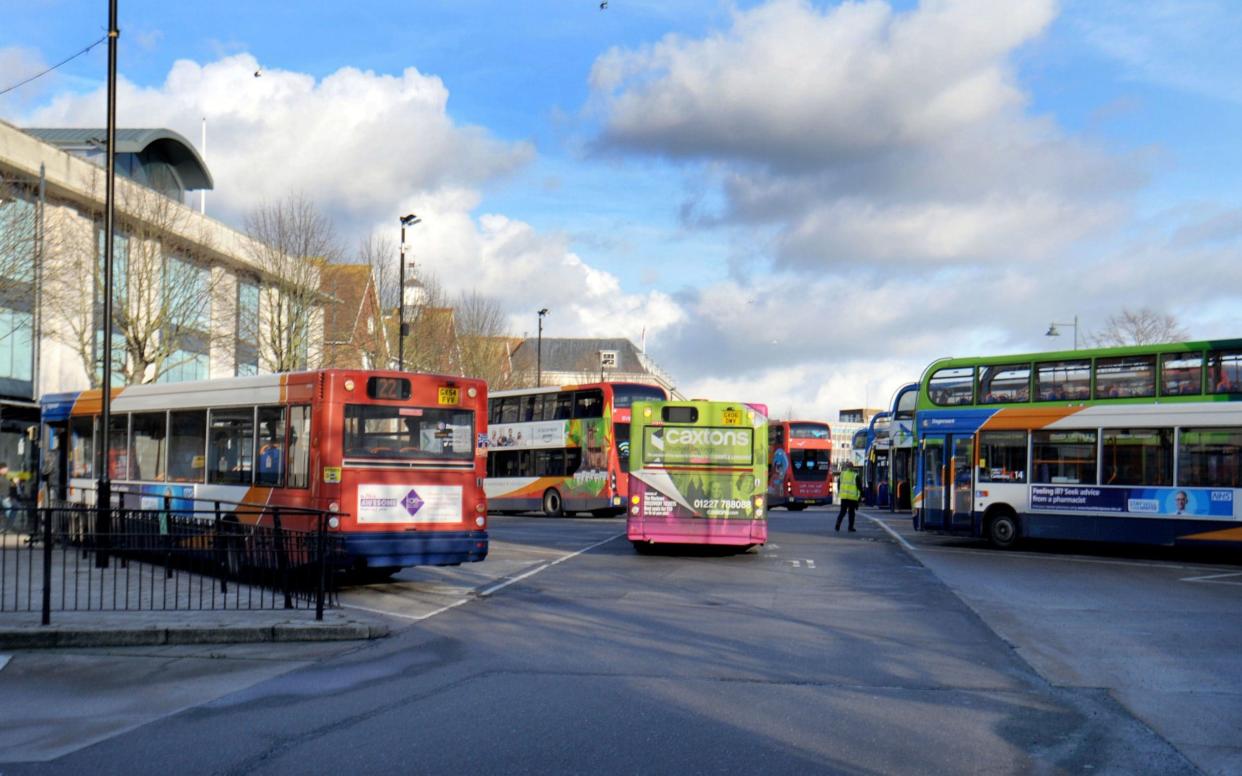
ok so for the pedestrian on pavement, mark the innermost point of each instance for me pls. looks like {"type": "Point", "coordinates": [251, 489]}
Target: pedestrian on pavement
{"type": "Point", "coordinates": [850, 494]}
{"type": "Point", "coordinates": [6, 498]}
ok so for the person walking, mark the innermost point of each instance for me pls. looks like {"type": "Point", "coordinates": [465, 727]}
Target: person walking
{"type": "Point", "coordinates": [850, 494]}
{"type": "Point", "coordinates": [6, 499]}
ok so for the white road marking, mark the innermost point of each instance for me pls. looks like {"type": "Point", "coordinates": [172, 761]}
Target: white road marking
{"type": "Point", "coordinates": [810, 564]}
{"type": "Point", "coordinates": [4, 661]}
{"type": "Point", "coordinates": [795, 563]}
{"type": "Point", "coordinates": [485, 592]}
{"type": "Point", "coordinates": [891, 532]}
{"type": "Point", "coordinates": [1216, 578]}
{"type": "Point", "coordinates": [415, 617]}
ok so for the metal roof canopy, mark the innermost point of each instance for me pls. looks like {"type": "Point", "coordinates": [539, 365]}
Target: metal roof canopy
{"type": "Point", "coordinates": [173, 147]}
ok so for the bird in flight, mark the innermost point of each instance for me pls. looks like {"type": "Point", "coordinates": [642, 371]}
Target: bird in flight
{"type": "Point", "coordinates": [603, 6]}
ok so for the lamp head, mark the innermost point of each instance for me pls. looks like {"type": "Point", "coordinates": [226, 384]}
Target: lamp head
{"type": "Point", "coordinates": [543, 312]}
{"type": "Point", "coordinates": [1052, 331]}
{"type": "Point", "coordinates": [410, 220]}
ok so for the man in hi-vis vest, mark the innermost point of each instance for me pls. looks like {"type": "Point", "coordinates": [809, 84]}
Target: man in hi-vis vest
{"type": "Point", "coordinates": [850, 494]}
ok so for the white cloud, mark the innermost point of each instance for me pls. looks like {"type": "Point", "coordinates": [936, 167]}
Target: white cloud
{"type": "Point", "coordinates": [360, 143]}
{"type": "Point", "coordinates": [862, 133]}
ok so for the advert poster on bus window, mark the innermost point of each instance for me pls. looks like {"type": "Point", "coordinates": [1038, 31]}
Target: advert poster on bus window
{"type": "Point", "coordinates": [1141, 502]}
{"type": "Point", "coordinates": [550, 433]}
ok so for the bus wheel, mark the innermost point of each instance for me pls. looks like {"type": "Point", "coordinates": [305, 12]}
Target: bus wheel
{"type": "Point", "coordinates": [552, 505]}
{"type": "Point", "coordinates": [1003, 530]}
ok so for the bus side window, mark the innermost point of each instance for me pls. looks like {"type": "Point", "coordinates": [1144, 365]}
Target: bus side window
{"type": "Point", "coordinates": [187, 446]}
{"type": "Point", "coordinates": [146, 446]}
{"type": "Point", "coordinates": [81, 449]}
{"type": "Point", "coordinates": [589, 404]}
{"type": "Point", "coordinates": [299, 446]}
{"type": "Point", "coordinates": [231, 452]}
{"type": "Point", "coordinates": [118, 448]}
{"type": "Point", "coordinates": [270, 466]}
{"type": "Point", "coordinates": [564, 406]}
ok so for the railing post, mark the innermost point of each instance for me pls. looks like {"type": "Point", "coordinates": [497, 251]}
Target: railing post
{"type": "Point", "coordinates": [47, 566]}
{"type": "Point", "coordinates": [221, 553]}
{"type": "Point", "coordinates": [282, 560]}
{"type": "Point", "coordinates": [166, 535]}
{"type": "Point", "coordinates": [321, 544]}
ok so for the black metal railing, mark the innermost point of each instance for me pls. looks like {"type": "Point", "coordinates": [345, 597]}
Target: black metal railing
{"type": "Point", "coordinates": [216, 556]}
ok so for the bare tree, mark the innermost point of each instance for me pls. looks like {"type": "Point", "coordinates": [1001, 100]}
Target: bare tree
{"type": "Point", "coordinates": [18, 233]}
{"type": "Point", "coordinates": [484, 341]}
{"type": "Point", "coordinates": [162, 293]}
{"type": "Point", "coordinates": [289, 242]}
{"type": "Point", "coordinates": [431, 342]}
{"type": "Point", "coordinates": [379, 253]}
{"type": "Point", "coordinates": [1138, 327]}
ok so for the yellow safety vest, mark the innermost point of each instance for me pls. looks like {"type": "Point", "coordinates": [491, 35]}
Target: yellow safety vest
{"type": "Point", "coordinates": [849, 485]}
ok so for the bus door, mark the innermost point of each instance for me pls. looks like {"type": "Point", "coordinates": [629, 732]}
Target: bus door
{"type": "Point", "coordinates": [933, 471]}
{"type": "Point", "coordinates": [54, 466]}
{"type": "Point", "coordinates": [961, 501]}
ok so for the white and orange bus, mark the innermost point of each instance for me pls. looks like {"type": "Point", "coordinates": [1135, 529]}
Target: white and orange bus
{"type": "Point", "coordinates": [395, 455]}
{"type": "Point", "coordinates": [562, 450]}
{"type": "Point", "coordinates": [799, 464]}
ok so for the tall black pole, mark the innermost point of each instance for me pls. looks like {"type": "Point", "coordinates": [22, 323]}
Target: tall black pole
{"type": "Point", "coordinates": [401, 305]}
{"type": "Point", "coordinates": [103, 493]}
{"type": "Point", "coordinates": [539, 355]}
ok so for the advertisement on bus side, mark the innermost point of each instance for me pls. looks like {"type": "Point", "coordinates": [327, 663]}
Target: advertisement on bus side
{"type": "Point", "coordinates": [1153, 502]}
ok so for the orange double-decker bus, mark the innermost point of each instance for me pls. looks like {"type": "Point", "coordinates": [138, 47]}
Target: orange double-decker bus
{"type": "Point", "coordinates": [395, 456]}
{"type": "Point", "coordinates": [563, 450]}
{"type": "Point", "coordinates": [799, 464]}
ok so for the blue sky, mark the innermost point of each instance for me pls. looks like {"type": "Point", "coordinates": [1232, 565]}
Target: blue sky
{"type": "Point", "coordinates": [799, 203]}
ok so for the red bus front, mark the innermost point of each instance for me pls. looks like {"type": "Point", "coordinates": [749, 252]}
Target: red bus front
{"type": "Point", "coordinates": [800, 464]}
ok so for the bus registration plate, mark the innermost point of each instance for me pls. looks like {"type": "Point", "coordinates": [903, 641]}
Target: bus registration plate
{"type": "Point", "coordinates": [449, 396]}
{"type": "Point", "coordinates": [731, 417]}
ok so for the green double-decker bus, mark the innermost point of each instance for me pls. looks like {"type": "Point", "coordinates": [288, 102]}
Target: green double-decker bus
{"type": "Point", "coordinates": [1137, 444]}
{"type": "Point", "coordinates": [698, 473]}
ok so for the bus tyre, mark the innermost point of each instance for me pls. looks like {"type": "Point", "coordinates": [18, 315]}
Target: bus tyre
{"type": "Point", "coordinates": [1003, 530]}
{"type": "Point", "coordinates": [552, 504]}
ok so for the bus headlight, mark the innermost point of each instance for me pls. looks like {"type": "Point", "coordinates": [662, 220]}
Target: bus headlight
{"type": "Point", "coordinates": [758, 513]}
{"type": "Point", "coordinates": [334, 522]}
{"type": "Point", "coordinates": [758, 502]}
{"type": "Point", "coordinates": [349, 385]}
{"type": "Point", "coordinates": [633, 510]}
{"type": "Point", "coordinates": [634, 500]}
{"type": "Point", "coordinates": [616, 501]}
{"type": "Point", "coordinates": [479, 521]}
{"type": "Point", "coordinates": [472, 392]}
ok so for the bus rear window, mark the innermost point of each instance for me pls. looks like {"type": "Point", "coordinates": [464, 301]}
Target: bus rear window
{"type": "Point", "coordinates": [407, 433]}
{"type": "Point", "coordinates": [809, 431]}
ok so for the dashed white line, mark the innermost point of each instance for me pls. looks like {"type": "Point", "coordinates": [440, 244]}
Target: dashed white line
{"type": "Point", "coordinates": [1216, 578]}
{"type": "Point", "coordinates": [415, 617]}
{"type": "Point", "coordinates": [485, 592]}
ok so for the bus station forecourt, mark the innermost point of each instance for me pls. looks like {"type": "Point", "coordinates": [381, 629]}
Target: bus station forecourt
{"type": "Point", "coordinates": [1139, 445]}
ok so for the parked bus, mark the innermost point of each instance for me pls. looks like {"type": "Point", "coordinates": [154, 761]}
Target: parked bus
{"type": "Point", "coordinates": [699, 473]}
{"type": "Point", "coordinates": [800, 464]}
{"type": "Point", "coordinates": [393, 454]}
{"type": "Point", "coordinates": [901, 447]}
{"type": "Point", "coordinates": [563, 449]}
{"type": "Point", "coordinates": [875, 473]}
{"type": "Point", "coordinates": [1137, 444]}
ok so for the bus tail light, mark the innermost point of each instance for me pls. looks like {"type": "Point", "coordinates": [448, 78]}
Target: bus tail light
{"type": "Point", "coordinates": [612, 481]}
{"type": "Point", "coordinates": [480, 507]}
{"type": "Point", "coordinates": [334, 522]}
{"type": "Point", "coordinates": [480, 521]}
{"type": "Point", "coordinates": [334, 507]}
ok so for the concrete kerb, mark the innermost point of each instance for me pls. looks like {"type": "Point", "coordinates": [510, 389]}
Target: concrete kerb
{"type": "Point", "coordinates": [60, 637]}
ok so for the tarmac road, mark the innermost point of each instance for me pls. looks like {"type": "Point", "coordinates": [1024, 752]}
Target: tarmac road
{"type": "Point", "coordinates": [821, 652]}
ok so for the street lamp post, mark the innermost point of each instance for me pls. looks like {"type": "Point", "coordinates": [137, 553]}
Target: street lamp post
{"type": "Point", "coordinates": [1052, 330]}
{"type": "Point", "coordinates": [409, 220]}
{"type": "Point", "coordinates": [539, 351]}
{"type": "Point", "coordinates": [103, 490]}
